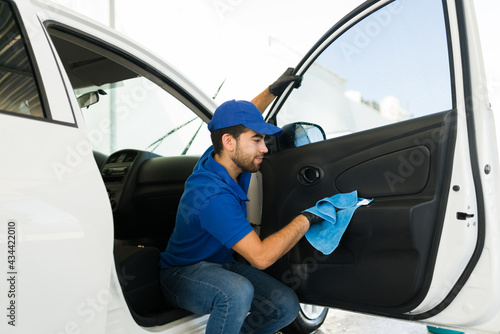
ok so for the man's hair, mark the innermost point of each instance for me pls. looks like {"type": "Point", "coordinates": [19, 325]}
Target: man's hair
{"type": "Point", "coordinates": [234, 131]}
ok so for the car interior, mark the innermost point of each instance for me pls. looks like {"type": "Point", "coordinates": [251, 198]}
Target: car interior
{"type": "Point", "coordinates": [144, 188]}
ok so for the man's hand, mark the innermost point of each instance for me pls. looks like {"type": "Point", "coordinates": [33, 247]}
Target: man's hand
{"type": "Point", "coordinates": [313, 219]}
{"type": "Point", "coordinates": [264, 99]}
{"type": "Point", "coordinates": [278, 87]}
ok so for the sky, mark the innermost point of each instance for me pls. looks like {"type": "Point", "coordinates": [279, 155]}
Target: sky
{"type": "Point", "coordinates": [247, 44]}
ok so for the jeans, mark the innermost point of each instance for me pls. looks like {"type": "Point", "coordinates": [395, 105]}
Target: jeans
{"type": "Point", "coordinates": [239, 298]}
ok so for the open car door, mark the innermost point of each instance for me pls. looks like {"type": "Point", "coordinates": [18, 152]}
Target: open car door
{"type": "Point", "coordinates": [395, 93]}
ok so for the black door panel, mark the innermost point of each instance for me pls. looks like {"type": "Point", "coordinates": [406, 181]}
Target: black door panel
{"type": "Point", "coordinates": [384, 261]}
{"type": "Point", "coordinates": [389, 175]}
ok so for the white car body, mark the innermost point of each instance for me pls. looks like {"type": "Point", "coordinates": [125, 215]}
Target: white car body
{"type": "Point", "coordinates": [56, 222]}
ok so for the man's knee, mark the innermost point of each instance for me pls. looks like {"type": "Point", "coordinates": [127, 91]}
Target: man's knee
{"type": "Point", "coordinates": [238, 294]}
{"type": "Point", "coordinates": [244, 292]}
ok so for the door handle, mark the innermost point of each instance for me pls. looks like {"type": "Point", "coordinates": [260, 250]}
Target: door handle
{"type": "Point", "coordinates": [464, 215]}
{"type": "Point", "coordinates": [310, 174]}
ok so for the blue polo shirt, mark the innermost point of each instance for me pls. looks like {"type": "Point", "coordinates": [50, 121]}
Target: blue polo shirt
{"type": "Point", "coordinates": [211, 218]}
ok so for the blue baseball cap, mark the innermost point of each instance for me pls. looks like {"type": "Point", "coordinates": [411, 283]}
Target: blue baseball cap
{"type": "Point", "coordinates": [244, 113]}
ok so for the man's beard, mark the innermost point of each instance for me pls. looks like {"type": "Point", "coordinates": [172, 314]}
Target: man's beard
{"type": "Point", "coordinates": [245, 162]}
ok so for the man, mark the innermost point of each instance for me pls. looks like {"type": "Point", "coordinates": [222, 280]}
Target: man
{"type": "Point", "coordinates": [199, 273]}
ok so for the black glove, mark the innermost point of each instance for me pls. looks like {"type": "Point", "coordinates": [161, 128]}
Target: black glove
{"type": "Point", "coordinates": [313, 219]}
{"type": "Point", "coordinates": [278, 87]}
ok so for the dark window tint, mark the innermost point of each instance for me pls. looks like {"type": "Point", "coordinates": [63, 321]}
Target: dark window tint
{"type": "Point", "coordinates": [18, 90]}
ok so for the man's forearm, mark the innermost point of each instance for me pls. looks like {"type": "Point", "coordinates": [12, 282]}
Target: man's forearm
{"type": "Point", "coordinates": [263, 100]}
{"type": "Point", "coordinates": [279, 243]}
{"type": "Point", "coordinates": [263, 253]}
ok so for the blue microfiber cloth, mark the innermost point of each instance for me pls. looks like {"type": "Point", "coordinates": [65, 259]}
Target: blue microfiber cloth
{"type": "Point", "coordinates": [337, 212]}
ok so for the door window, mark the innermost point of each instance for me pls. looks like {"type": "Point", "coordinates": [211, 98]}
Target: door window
{"type": "Point", "coordinates": [391, 66]}
{"type": "Point", "coordinates": [18, 89]}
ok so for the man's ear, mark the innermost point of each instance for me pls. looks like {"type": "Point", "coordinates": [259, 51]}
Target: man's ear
{"type": "Point", "coordinates": [229, 142]}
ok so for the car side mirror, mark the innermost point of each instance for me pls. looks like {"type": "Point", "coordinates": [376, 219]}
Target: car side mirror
{"type": "Point", "coordinates": [90, 98]}
{"type": "Point", "coordinates": [299, 134]}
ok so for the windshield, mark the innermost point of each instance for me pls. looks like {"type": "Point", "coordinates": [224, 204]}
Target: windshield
{"type": "Point", "coordinates": [137, 114]}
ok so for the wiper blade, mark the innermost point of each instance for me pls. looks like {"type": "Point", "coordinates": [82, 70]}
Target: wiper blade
{"type": "Point", "coordinates": [160, 140]}
{"type": "Point", "coordinates": [192, 139]}
{"type": "Point", "coordinates": [218, 90]}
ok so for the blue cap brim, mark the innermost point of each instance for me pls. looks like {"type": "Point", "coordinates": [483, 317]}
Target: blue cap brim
{"type": "Point", "coordinates": [265, 129]}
